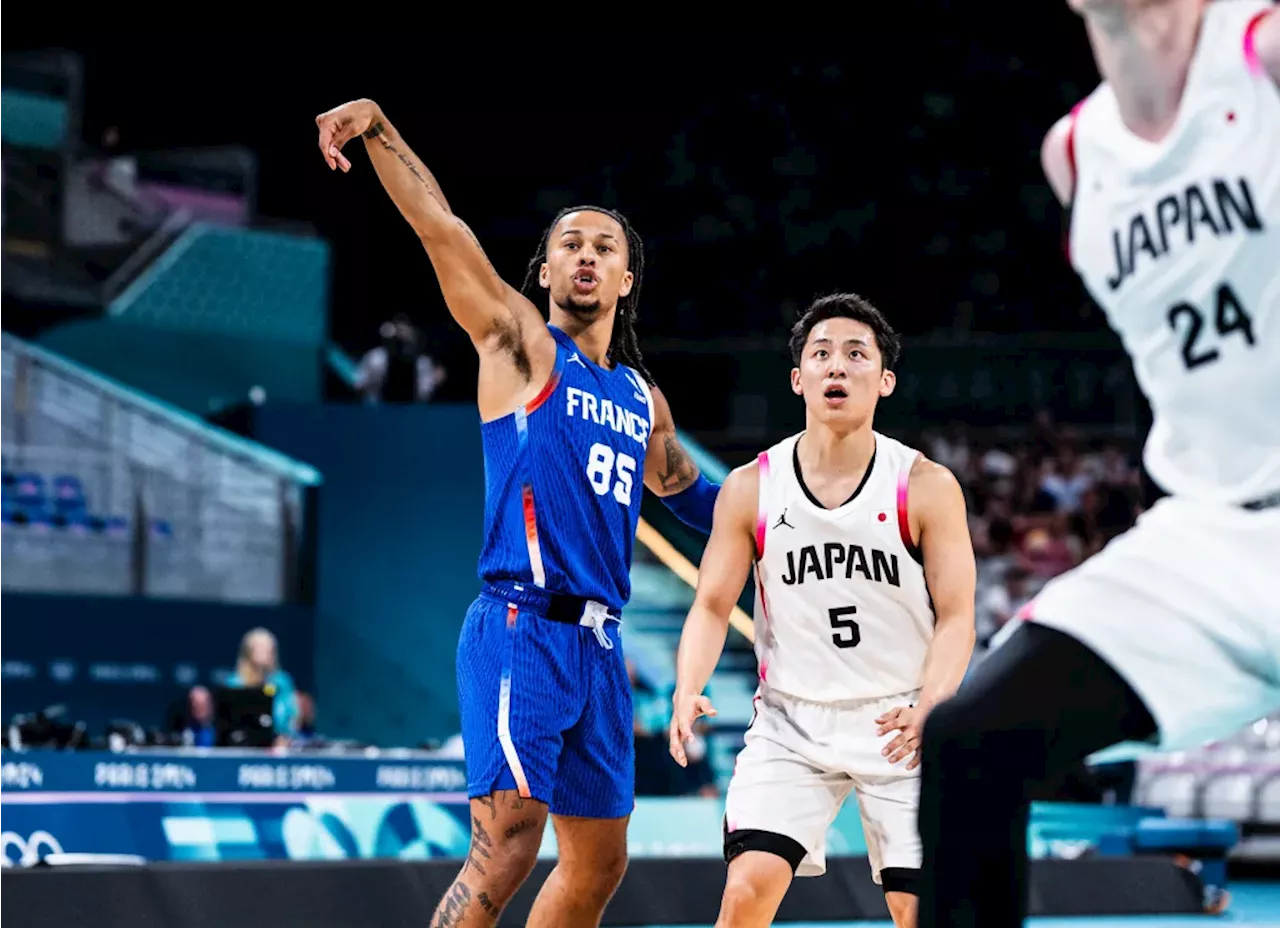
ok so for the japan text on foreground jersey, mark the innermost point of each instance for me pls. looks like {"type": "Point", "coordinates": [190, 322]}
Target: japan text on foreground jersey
{"type": "Point", "coordinates": [1179, 242]}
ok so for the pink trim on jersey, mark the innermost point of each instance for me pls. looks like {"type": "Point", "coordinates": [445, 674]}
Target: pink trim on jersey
{"type": "Point", "coordinates": [1071, 163]}
{"type": "Point", "coordinates": [904, 522]}
{"type": "Point", "coordinates": [1028, 610]}
{"type": "Point", "coordinates": [1250, 49]}
{"type": "Point", "coordinates": [762, 516]}
{"type": "Point", "coordinates": [1071, 142]}
{"type": "Point", "coordinates": [763, 631]}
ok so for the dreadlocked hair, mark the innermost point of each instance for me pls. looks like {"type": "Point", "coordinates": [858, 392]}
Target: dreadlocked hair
{"type": "Point", "coordinates": [624, 346]}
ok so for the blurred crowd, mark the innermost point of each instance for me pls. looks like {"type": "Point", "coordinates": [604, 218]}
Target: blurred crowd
{"type": "Point", "coordinates": [1037, 508]}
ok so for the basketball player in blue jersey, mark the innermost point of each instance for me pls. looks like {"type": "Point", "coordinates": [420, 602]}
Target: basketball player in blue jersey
{"type": "Point", "coordinates": [572, 424]}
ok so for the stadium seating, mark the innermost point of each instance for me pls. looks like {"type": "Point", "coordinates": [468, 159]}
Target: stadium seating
{"type": "Point", "coordinates": [107, 492]}
{"type": "Point", "coordinates": [239, 282]}
{"type": "Point", "coordinates": [60, 503]}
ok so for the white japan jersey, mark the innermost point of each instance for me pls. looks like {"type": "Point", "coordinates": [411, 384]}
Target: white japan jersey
{"type": "Point", "coordinates": [1179, 242]}
{"type": "Point", "coordinates": [842, 609]}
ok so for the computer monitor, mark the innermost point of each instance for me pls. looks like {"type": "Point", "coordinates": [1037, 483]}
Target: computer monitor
{"type": "Point", "coordinates": [243, 717]}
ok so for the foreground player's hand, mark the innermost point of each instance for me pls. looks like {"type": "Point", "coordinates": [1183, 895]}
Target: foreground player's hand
{"type": "Point", "coordinates": [687, 708]}
{"type": "Point", "coordinates": [909, 721]}
{"type": "Point", "coordinates": [340, 125]}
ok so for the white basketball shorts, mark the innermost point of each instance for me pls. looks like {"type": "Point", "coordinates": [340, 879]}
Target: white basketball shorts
{"type": "Point", "coordinates": [800, 762]}
{"type": "Point", "coordinates": [1184, 606]}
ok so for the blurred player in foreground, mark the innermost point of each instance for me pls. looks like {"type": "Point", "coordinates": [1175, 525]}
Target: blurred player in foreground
{"type": "Point", "coordinates": [1171, 634]}
{"type": "Point", "coordinates": [571, 423]}
{"type": "Point", "coordinates": [863, 618]}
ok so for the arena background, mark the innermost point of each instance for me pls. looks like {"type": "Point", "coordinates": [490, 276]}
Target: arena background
{"type": "Point", "coordinates": [188, 294]}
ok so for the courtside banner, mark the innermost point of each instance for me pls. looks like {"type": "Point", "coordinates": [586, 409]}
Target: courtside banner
{"type": "Point", "coordinates": [91, 775]}
{"type": "Point", "coordinates": [217, 805]}
{"type": "Point", "coordinates": [224, 805]}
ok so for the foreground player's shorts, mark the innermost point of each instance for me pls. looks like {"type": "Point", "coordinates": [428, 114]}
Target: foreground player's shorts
{"type": "Point", "coordinates": [1184, 607]}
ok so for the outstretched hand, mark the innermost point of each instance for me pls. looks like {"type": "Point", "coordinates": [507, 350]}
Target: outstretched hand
{"type": "Point", "coordinates": [339, 126]}
{"type": "Point", "coordinates": [909, 720]}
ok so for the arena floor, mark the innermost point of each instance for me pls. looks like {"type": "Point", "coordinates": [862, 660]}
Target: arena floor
{"type": "Point", "coordinates": [1251, 904]}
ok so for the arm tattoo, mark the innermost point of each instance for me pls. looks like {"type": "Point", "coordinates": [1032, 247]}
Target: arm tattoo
{"type": "Point", "coordinates": [413, 169]}
{"type": "Point", "coordinates": [374, 131]}
{"type": "Point", "coordinates": [680, 472]}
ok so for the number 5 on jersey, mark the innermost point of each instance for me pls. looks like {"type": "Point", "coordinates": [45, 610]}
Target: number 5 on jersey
{"type": "Point", "coordinates": [847, 634]}
{"type": "Point", "coordinates": [600, 470]}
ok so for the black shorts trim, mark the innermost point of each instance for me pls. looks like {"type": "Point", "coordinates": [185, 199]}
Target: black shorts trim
{"type": "Point", "coordinates": [900, 880]}
{"type": "Point", "coordinates": [742, 840]}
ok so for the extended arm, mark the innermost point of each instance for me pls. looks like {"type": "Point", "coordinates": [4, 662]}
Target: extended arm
{"type": "Point", "coordinates": [950, 573]}
{"type": "Point", "coordinates": [490, 310]}
{"type": "Point", "coordinates": [723, 571]}
{"type": "Point", "coordinates": [670, 473]}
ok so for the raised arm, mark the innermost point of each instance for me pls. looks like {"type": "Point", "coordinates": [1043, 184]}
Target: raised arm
{"type": "Point", "coordinates": [723, 571]}
{"type": "Point", "coordinates": [493, 313]}
{"type": "Point", "coordinates": [669, 471]}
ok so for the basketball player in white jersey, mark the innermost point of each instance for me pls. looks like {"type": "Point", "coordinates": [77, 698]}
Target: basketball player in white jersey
{"type": "Point", "coordinates": [863, 618]}
{"type": "Point", "coordinates": [1171, 634]}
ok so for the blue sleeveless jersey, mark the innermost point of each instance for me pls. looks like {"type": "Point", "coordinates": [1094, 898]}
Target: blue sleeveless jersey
{"type": "Point", "coordinates": [564, 476]}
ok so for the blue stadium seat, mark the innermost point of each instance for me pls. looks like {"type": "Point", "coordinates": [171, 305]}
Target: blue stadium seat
{"type": "Point", "coordinates": [30, 490]}
{"type": "Point", "coordinates": [68, 495]}
{"type": "Point", "coordinates": [31, 503]}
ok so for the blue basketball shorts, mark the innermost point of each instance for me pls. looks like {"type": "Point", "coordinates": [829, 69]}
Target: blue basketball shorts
{"type": "Point", "coordinates": [545, 704]}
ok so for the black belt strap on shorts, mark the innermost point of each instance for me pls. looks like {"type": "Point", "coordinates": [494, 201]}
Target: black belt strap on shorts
{"type": "Point", "coordinates": [567, 609]}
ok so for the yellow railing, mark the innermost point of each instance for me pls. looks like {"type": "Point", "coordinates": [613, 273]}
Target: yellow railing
{"type": "Point", "coordinates": [679, 565]}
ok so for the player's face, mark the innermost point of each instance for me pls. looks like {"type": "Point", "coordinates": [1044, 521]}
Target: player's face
{"type": "Point", "coordinates": [586, 267]}
{"type": "Point", "coordinates": [841, 374]}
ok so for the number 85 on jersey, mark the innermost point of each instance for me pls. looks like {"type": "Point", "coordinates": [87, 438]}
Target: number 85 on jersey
{"type": "Point", "coordinates": [607, 469]}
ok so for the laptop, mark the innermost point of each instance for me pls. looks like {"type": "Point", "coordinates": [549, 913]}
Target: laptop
{"type": "Point", "coordinates": [242, 717]}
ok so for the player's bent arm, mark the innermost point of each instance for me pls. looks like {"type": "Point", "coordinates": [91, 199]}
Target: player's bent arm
{"type": "Point", "coordinates": [492, 312]}
{"type": "Point", "coordinates": [1266, 43]}
{"type": "Point", "coordinates": [1055, 160]}
{"type": "Point", "coordinates": [725, 564]}
{"type": "Point", "coordinates": [669, 471]}
{"type": "Point", "coordinates": [951, 574]}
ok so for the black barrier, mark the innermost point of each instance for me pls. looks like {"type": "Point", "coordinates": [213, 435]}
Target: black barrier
{"type": "Point", "coordinates": [393, 893]}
